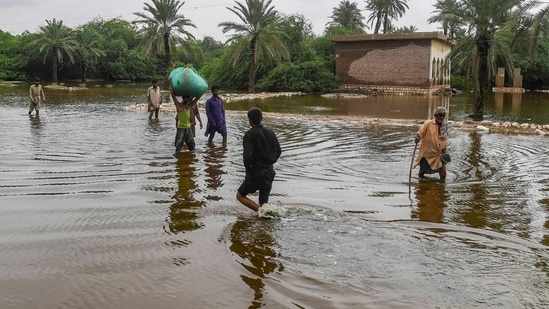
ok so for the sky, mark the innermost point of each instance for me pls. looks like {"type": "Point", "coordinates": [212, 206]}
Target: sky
{"type": "Point", "coordinates": [21, 15]}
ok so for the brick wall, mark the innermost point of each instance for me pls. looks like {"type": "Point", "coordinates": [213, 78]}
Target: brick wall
{"type": "Point", "coordinates": [384, 62]}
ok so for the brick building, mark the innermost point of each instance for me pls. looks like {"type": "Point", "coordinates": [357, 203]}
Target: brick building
{"type": "Point", "coordinates": [403, 63]}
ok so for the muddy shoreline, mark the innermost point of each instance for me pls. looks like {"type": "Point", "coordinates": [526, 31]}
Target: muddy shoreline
{"type": "Point", "coordinates": [498, 127]}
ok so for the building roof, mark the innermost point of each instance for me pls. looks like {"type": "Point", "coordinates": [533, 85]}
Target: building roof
{"type": "Point", "coordinates": [394, 36]}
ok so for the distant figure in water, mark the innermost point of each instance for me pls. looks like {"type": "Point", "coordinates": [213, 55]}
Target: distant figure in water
{"type": "Point", "coordinates": [216, 116]}
{"type": "Point", "coordinates": [154, 96]}
{"type": "Point", "coordinates": [261, 151]}
{"type": "Point", "coordinates": [432, 157]}
{"type": "Point", "coordinates": [184, 134]}
{"type": "Point", "coordinates": [36, 94]}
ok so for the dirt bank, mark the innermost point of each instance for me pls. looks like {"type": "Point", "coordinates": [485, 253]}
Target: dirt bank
{"type": "Point", "coordinates": [483, 126]}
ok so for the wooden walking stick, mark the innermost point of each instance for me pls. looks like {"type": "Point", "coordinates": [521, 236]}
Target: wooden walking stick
{"type": "Point", "coordinates": [410, 176]}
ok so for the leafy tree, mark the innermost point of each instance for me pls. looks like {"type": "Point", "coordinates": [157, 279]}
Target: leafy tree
{"type": "Point", "coordinates": [89, 50]}
{"type": "Point", "coordinates": [484, 20]}
{"type": "Point", "coordinates": [299, 38]}
{"type": "Point", "coordinates": [258, 36]}
{"type": "Point", "coordinates": [56, 41]}
{"type": "Point", "coordinates": [540, 25]}
{"type": "Point", "coordinates": [405, 29]}
{"type": "Point", "coordinates": [348, 15]}
{"type": "Point", "coordinates": [164, 28]}
{"type": "Point", "coordinates": [311, 76]}
{"type": "Point", "coordinates": [446, 12]}
{"type": "Point", "coordinates": [203, 51]}
{"type": "Point", "coordinates": [119, 39]}
{"type": "Point", "coordinates": [117, 28]}
{"type": "Point", "coordinates": [384, 11]}
{"type": "Point", "coordinates": [11, 61]}
{"type": "Point", "coordinates": [217, 72]}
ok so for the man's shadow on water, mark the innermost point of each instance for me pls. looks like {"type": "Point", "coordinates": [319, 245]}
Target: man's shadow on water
{"type": "Point", "coordinates": [253, 241]}
{"type": "Point", "coordinates": [183, 216]}
{"type": "Point", "coordinates": [431, 197]}
{"type": "Point", "coordinates": [214, 160]}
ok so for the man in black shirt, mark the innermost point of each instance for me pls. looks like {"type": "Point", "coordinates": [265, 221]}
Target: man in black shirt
{"type": "Point", "coordinates": [261, 151]}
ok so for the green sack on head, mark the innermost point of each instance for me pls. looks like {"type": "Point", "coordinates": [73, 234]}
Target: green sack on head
{"type": "Point", "coordinates": [186, 81]}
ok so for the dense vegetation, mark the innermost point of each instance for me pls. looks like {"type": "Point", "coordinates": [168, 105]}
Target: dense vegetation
{"type": "Point", "coordinates": [269, 51]}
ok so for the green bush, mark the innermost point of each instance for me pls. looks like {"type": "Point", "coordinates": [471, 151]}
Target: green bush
{"type": "Point", "coordinates": [311, 76]}
{"type": "Point", "coordinates": [461, 82]}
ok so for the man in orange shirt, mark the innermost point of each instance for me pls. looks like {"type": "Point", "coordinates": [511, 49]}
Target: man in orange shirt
{"type": "Point", "coordinates": [432, 157]}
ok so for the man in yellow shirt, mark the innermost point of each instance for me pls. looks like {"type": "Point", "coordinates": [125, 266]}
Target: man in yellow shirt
{"type": "Point", "coordinates": [432, 157]}
{"type": "Point", "coordinates": [184, 134]}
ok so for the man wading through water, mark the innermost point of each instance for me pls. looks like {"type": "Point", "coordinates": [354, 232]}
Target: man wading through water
{"type": "Point", "coordinates": [261, 151]}
{"type": "Point", "coordinates": [36, 94]}
{"type": "Point", "coordinates": [432, 157]}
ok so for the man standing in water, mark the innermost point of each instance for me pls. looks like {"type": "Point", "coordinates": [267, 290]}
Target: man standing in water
{"type": "Point", "coordinates": [36, 94]}
{"type": "Point", "coordinates": [154, 96]}
{"type": "Point", "coordinates": [184, 134]}
{"type": "Point", "coordinates": [216, 116]}
{"type": "Point", "coordinates": [432, 157]}
{"type": "Point", "coordinates": [261, 151]}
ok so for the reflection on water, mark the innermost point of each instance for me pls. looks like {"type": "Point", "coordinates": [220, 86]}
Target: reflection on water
{"type": "Point", "coordinates": [96, 211]}
{"type": "Point", "coordinates": [253, 241]}
{"type": "Point", "coordinates": [214, 167]}
{"type": "Point", "coordinates": [516, 107]}
{"type": "Point", "coordinates": [183, 217]}
{"type": "Point", "coordinates": [430, 201]}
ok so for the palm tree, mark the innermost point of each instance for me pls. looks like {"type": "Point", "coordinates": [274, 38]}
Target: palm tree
{"type": "Point", "coordinates": [484, 20]}
{"type": "Point", "coordinates": [384, 11]}
{"type": "Point", "coordinates": [89, 49]}
{"type": "Point", "coordinates": [405, 29]}
{"type": "Point", "coordinates": [446, 12]}
{"type": "Point", "coordinates": [56, 41]}
{"type": "Point", "coordinates": [348, 15]}
{"type": "Point", "coordinates": [540, 24]}
{"type": "Point", "coordinates": [257, 37]}
{"type": "Point", "coordinates": [164, 28]}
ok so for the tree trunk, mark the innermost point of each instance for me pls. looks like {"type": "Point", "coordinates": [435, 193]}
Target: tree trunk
{"type": "Point", "coordinates": [251, 76]}
{"type": "Point", "coordinates": [54, 69]}
{"type": "Point", "coordinates": [483, 47]}
{"type": "Point", "coordinates": [167, 59]}
{"type": "Point", "coordinates": [83, 70]}
{"type": "Point", "coordinates": [378, 23]}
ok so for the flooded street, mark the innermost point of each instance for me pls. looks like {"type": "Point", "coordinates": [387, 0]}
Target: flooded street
{"type": "Point", "coordinates": [96, 210]}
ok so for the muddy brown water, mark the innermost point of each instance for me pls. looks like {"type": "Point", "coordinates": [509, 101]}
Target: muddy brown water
{"type": "Point", "coordinates": [96, 211]}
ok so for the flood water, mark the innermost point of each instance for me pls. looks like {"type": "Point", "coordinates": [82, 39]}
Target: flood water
{"type": "Point", "coordinates": [96, 211]}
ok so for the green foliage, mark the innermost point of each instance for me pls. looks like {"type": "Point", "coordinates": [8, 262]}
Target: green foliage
{"type": "Point", "coordinates": [383, 12]}
{"type": "Point", "coordinates": [311, 76]}
{"type": "Point", "coordinates": [202, 52]}
{"type": "Point", "coordinates": [461, 82]}
{"type": "Point", "coordinates": [220, 72]}
{"type": "Point", "coordinates": [10, 60]}
{"type": "Point", "coordinates": [56, 42]}
{"type": "Point", "coordinates": [535, 73]}
{"type": "Point", "coordinates": [258, 37]}
{"type": "Point", "coordinates": [164, 28]}
{"type": "Point", "coordinates": [117, 29]}
{"type": "Point", "coordinates": [349, 16]}
{"type": "Point", "coordinates": [126, 64]}
{"type": "Point", "coordinates": [90, 49]}
{"type": "Point", "coordinates": [299, 38]}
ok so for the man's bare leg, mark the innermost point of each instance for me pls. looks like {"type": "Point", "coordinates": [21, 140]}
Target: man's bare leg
{"type": "Point", "coordinates": [247, 202]}
{"type": "Point", "coordinates": [442, 174]}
